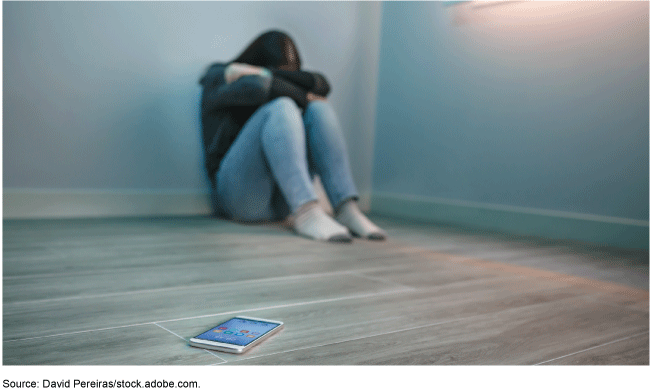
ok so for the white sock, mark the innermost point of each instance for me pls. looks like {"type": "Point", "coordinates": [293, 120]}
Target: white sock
{"type": "Point", "coordinates": [311, 221]}
{"type": "Point", "coordinates": [349, 215]}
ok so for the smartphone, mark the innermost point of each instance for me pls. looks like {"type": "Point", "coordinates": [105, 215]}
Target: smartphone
{"type": "Point", "coordinates": [237, 335]}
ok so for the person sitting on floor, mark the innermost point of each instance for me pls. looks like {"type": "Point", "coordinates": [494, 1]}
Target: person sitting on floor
{"type": "Point", "coordinates": [267, 130]}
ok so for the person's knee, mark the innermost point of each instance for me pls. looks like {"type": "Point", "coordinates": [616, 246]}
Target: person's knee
{"type": "Point", "coordinates": [319, 110]}
{"type": "Point", "coordinates": [285, 117]}
{"type": "Point", "coordinates": [284, 105]}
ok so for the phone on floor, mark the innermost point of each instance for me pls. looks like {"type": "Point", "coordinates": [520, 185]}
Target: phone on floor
{"type": "Point", "coordinates": [237, 335]}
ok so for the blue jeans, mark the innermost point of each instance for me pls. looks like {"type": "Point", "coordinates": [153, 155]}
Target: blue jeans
{"type": "Point", "coordinates": [267, 172]}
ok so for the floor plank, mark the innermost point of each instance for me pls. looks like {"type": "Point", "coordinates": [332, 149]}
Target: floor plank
{"type": "Point", "coordinates": [55, 316]}
{"type": "Point", "coordinates": [143, 345]}
{"type": "Point", "coordinates": [624, 351]}
{"type": "Point", "coordinates": [511, 337]}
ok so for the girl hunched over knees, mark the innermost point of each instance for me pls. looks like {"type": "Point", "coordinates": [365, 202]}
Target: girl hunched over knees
{"type": "Point", "coordinates": [267, 130]}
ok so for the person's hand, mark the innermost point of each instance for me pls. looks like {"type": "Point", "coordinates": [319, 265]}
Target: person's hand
{"type": "Point", "coordinates": [236, 70]}
{"type": "Point", "coordinates": [312, 96]}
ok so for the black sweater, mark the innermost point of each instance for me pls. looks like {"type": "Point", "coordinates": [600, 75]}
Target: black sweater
{"type": "Point", "coordinates": [225, 108]}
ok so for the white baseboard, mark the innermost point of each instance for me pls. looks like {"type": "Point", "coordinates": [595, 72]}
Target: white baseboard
{"type": "Point", "coordinates": [21, 203]}
{"type": "Point", "coordinates": [620, 232]}
{"type": "Point", "coordinates": [27, 203]}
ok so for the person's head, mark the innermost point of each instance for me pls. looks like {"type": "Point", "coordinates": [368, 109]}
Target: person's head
{"type": "Point", "coordinates": [273, 49]}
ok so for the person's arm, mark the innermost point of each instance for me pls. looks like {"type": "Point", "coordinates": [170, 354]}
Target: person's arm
{"type": "Point", "coordinates": [321, 86]}
{"type": "Point", "coordinates": [281, 87]}
{"type": "Point", "coordinates": [246, 88]}
{"type": "Point", "coordinates": [312, 82]}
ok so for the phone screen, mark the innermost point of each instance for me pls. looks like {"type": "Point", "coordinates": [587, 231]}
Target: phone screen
{"type": "Point", "coordinates": [238, 331]}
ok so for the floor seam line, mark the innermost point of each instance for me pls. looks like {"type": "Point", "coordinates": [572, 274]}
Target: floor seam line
{"type": "Point", "coordinates": [581, 296]}
{"type": "Point", "coordinates": [162, 327]}
{"type": "Point", "coordinates": [172, 266]}
{"type": "Point", "coordinates": [183, 338]}
{"type": "Point", "coordinates": [80, 331]}
{"type": "Point", "coordinates": [152, 291]}
{"type": "Point", "coordinates": [215, 314]}
{"type": "Point", "coordinates": [382, 280]}
{"type": "Point", "coordinates": [589, 349]}
{"type": "Point", "coordinates": [289, 305]}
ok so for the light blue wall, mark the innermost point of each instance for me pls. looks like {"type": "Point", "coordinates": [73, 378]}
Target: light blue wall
{"type": "Point", "coordinates": [104, 95]}
{"type": "Point", "coordinates": [552, 115]}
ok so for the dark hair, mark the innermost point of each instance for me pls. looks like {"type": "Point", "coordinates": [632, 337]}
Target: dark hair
{"type": "Point", "coordinates": [271, 50]}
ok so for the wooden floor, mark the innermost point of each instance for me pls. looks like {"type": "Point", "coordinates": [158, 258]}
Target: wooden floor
{"type": "Point", "coordinates": [133, 291]}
